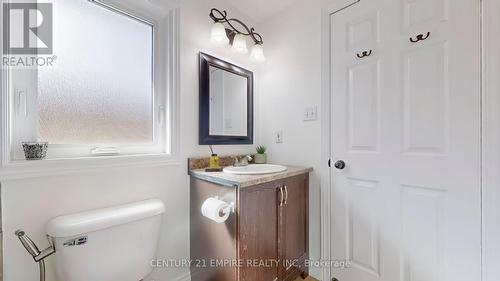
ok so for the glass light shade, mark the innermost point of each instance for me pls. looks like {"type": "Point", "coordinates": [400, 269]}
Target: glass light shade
{"type": "Point", "coordinates": [257, 53]}
{"type": "Point", "coordinates": [218, 35]}
{"type": "Point", "coordinates": [240, 44]}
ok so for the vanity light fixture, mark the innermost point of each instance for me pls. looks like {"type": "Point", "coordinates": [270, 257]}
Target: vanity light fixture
{"type": "Point", "coordinates": [257, 53]}
{"type": "Point", "coordinates": [240, 44]}
{"type": "Point", "coordinates": [224, 32]}
{"type": "Point", "coordinates": [219, 36]}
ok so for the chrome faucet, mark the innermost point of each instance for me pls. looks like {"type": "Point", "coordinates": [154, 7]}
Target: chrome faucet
{"type": "Point", "coordinates": [242, 160]}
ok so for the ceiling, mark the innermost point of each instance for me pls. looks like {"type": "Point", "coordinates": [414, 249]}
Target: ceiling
{"type": "Point", "coordinates": [261, 10]}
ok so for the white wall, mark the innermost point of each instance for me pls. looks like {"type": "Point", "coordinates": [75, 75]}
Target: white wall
{"type": "Point", "coordinates": [30, 203]}
{"type": "Point", "coordinates": [291, 81]}
{"type": "Point", "coordinates": [491, 141]}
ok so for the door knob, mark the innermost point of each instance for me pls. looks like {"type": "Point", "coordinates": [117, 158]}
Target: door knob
{"type": "Point", "coordinates": [340, 164]}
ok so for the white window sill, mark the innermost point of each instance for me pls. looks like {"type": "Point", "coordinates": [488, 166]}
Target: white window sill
{"type": "Point", "coordinates": [49, 167]}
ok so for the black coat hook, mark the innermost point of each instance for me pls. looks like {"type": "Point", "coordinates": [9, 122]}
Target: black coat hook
{"type": "Point", "coordinates": [364, 54]}
{"type": "Point", "coordinates": [420, 37]}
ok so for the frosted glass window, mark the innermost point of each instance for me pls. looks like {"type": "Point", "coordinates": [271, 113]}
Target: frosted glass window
{"type": "Point", "coordinates": [100, 88]}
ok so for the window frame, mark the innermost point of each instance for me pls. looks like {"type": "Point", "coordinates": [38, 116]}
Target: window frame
{"type": "Point", "coordinates": [165, 107]}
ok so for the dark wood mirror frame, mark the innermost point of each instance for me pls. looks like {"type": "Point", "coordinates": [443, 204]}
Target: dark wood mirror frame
{"type": "Point", "coordinates": [204, 133]}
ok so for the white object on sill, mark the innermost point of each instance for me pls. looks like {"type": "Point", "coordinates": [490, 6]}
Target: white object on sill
{"type": "Point", "coordinates": [105, 151]}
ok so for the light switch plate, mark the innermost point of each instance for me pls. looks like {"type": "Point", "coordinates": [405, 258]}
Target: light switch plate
{"type": "Point", "coordinates": [278, 136]}
{"type": "Point", "coordinates": [311, 113]}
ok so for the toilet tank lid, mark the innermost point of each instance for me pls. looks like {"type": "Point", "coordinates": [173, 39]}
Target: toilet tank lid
{"type": "Point", "coordinates": [90, 221]}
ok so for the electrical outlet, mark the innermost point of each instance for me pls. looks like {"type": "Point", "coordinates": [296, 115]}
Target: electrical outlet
{"type": "Point", "coordinates": [279, 136]}
{"type": "Point", "coordinates": [311, 113]}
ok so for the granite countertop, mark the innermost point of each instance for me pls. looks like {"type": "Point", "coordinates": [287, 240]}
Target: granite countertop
{"type": "Point", "coordinates": [247, 180]}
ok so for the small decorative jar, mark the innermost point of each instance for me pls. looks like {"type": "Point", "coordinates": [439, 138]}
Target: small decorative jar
{"type": "Point", "coordinates": [35, 150]}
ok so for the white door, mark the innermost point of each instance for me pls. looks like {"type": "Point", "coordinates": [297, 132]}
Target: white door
{"type": "Point", "coordinates": [406, 122]}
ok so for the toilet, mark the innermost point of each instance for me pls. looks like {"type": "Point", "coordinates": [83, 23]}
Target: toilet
{"type": "Point", "coordinates": [111, 244]}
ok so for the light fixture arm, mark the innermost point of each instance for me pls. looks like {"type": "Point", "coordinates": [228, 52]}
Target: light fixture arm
{"type": "Point", "coordinates": [218, 16]}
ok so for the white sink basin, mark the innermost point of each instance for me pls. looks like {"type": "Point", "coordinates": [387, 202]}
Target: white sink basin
{"type": "Point", "coordinates": [255, 169]}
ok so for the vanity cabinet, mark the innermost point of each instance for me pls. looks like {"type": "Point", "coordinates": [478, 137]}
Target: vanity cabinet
{"type": "Point", "coordinates": [267, 234]}
{"type": "Point", "coordinates": [274, 226]}
{"type": "Point", "coordinates": [294, 228]}
{"type": "Point", "coordinates": [259, 231]}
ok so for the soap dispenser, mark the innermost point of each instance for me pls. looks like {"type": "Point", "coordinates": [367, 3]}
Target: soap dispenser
{"type": "Point", "coordinates": [213, 163]}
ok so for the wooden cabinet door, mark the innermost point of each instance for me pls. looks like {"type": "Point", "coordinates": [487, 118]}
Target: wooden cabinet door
{"type": "Point", "coordinates": [258, 227]}
{"type": "Point", "coordinates": [294, 229]}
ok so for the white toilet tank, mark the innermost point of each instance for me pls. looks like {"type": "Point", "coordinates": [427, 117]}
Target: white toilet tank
{"type": "Point", "coordinates": [111, 244]}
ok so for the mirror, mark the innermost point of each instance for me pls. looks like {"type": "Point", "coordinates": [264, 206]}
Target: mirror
{"type": "Point", "coordinates": [226, 102]}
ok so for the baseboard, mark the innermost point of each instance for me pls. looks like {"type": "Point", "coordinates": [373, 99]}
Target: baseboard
{"type": "Point", "coordinates": [316, 273]}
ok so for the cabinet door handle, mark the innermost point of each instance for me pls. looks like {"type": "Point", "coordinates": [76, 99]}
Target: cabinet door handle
{"type": "Point", "coordinates": [286, 194]}
{"type": "Point", "coordinates": [282, 197]}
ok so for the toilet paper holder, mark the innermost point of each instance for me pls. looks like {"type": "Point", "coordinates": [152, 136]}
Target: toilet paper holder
{"type": "Point", "coordinates": [229, 209]}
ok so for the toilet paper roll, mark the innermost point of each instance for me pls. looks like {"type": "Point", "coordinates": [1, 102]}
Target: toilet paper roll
{"type": "Point", "coordinates": [215, 209]}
